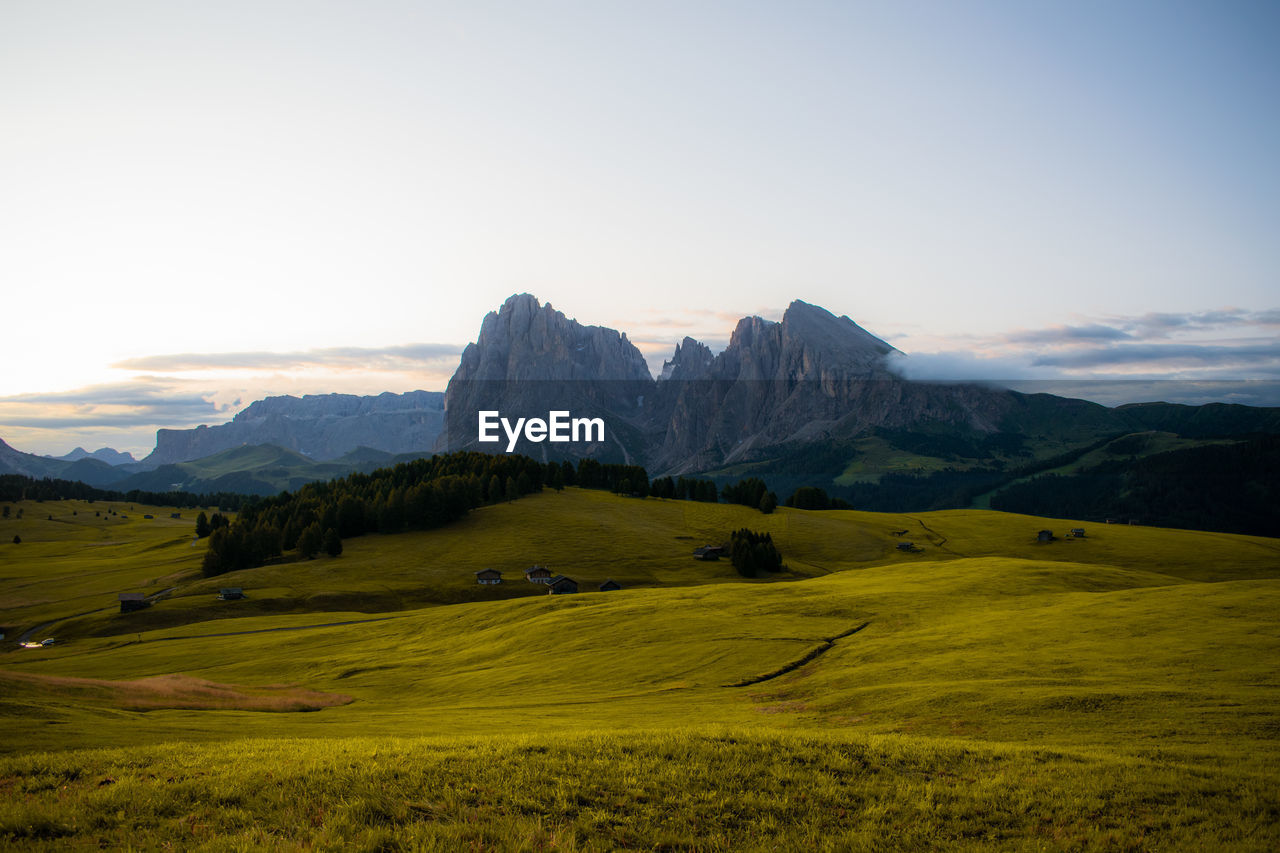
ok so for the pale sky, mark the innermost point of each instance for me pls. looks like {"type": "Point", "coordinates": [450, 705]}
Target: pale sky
{"type": "Point", "coordinates": [205, 203]}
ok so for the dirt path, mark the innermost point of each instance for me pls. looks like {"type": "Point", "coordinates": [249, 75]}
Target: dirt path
{"type": "Point", "coordinates": [808, 657]}
{"type": "Point", "coordinates": [935, 538]}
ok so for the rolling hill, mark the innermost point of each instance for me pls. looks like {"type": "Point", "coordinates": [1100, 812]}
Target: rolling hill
{"type": "Point", "coordinates": [1111, 690]}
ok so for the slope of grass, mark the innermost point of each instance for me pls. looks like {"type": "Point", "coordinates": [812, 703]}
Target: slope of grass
{"type": "Point", "coordinates": [1112, 691]}
{"type": "Point", "coordinates": [718, 789]}
{"type": "Point", "coordinates": [76, 556]}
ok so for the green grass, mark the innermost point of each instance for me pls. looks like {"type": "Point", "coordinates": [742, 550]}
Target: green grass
{"type": "Point", "coordinates": [876, 457]}
{"type": "Point", "coordinates": [717, 789]}
{"type": "Point", "coordinates": [75, 556]}
{"type": "Point", "coordinates": [1117, 691]}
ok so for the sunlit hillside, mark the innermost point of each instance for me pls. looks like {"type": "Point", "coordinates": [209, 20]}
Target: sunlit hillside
{"type": "Point", "coordinates": [1113, 690]}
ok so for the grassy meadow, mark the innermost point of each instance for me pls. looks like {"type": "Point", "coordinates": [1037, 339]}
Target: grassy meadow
{"type": "Point", "coordinates": [1118, 691]}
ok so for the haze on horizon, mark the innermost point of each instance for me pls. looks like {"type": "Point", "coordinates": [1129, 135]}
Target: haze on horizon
{"type": "Point", "coordinates": [207, 204]}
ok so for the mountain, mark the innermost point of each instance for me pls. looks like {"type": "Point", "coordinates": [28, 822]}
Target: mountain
{"type": "Point", "coordinates": [808, 400]}
{"type": "Point", "coordinates": [812, 379]}
{"type": "Point", "coordinates": [86, 469]}
{"type": "Point", "coordinates": [249, 469]}
{"type": "Point", "coordinates": [529, 360]}
{"type": "Point", "coordinates": [103, 454]}
{"type": "Point", "coordinates": [322, 427]}
{"type": "Point", "coordinates": [28, 464]}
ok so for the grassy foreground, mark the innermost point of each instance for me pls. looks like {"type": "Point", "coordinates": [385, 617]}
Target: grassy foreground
{"type": "Point", "coordinates": [1115, 692]}
{"type": "Point", "coordinates": [688, 789]}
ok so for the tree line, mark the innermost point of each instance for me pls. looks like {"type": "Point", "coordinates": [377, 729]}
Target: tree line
{"type": "Point", "coordinates": [1233, 488]}
{"type": "Point", "coordinates": [417, 495]}
{"type": "Point", "coordinates": [18, 487]}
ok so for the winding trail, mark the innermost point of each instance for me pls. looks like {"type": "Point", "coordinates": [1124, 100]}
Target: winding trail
{"type": "Point", "coordinates": [941, 541]}
{"type": "Point", "coordinates": [808, 657]}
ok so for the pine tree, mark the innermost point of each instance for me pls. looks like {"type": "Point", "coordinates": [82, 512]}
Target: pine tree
{"type": "Point", "coordinates": [310, 541]}
{"type": "Point", "coordinates": [332, 543]}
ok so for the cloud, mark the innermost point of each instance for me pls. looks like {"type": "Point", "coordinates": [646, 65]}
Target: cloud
{"type": "Point", "coordinates": [1070, 335]}
{"type": "Point", "coordinates": [1164, 324]}
{"type": "Point", "coordinates": [140, 402]}
{"type": "Point", "coordinates": [1219, 344]}
{"type": "Point", "coordinates": [961, 366]}
{"type": "Point", "coordinates": [393, 358]}
{"type": "Point", "coordinates": [1116, 392]}
{"type": "Point", "coordinates": [1217, 356]}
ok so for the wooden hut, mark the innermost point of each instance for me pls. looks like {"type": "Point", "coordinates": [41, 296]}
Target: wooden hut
{"type": "Point", "coordinates": [610, 585]}
{"type": "Point", "coordinates": [132, 601]}
{"type": "Point", "coordinates": [489, 576]}
{"type": "Point", "coordinates": [537, 574]}
{"type": "Point", "coordinates": [561, 585]}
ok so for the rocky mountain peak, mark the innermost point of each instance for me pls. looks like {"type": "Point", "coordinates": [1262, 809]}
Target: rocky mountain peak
{"type": "Point", "coordinates": [818, 328]}
{"type": "Point", "coordinates": [810, 343]}
{"type": "Point", "coordinates": [524, 340]}
{"type": "Point", "coordinates": [692, 359]}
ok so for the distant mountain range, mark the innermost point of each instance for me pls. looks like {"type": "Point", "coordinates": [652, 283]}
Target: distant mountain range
{"type": "Point", "coordinates": [274, 444]}
{"type": "Point", "coordinates": [104, 454]}
{"type": "Point", "coordinates": [809, 400]}
{"type": "Point", "coordinates": [322, 427]}
{"type": "Point", "coordinates": [780, 393]}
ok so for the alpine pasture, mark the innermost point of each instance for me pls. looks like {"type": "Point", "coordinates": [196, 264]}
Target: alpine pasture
{"type": "Point", "coordinates": [1116, 691]}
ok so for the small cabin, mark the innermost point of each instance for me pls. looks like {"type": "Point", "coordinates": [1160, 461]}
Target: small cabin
{"type": "Point", "coordinates": [561, 585]}
{"type": "Point", "coordinates": [1044, 536]}
{"type": "Point", "coordinates": [132, 601]}
{"type": "Point", "coordinates": [148, 516]}
{"type": "Point", "coordinates": [537, 574]}
{"type": "Point", "coordinates": [231, 593]}
{"type": "Point", "coordinates": [489, 576]}
{"type": "Point", "coordinates": [1077, 532]}
{"type": "Point", "coordinates": [708, 552]}
{"type": "Point", "coordinates": [610, 585]}
{"type": "Point", "coordinates": [906, 546]}
{"type": "Point", "coordinates": [175, 515]}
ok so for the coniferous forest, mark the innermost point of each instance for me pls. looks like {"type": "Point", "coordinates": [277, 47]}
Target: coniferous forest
{"type": "Point", "coordinates": [417, 495]}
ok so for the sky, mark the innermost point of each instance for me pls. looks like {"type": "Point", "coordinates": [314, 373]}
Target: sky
{"type": "Point", "coordinates": [203, 204]}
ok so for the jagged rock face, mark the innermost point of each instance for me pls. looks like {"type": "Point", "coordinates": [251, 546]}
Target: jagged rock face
{"type": "Point", "coordinates": [810, 377]}
{"type": "Point", "coordinates": [530, 359]}
{"type": "Point", "coordinates": [692, 361]}
{"type": "Point", "coordinates": [322, 427]}
{"type": "Point", "coordinates": [776, 382]}
{"type": "Point", "coordinates": [525, 341]}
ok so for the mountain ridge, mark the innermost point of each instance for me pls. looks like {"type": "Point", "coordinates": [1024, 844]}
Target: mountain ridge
{"type": "Point", "coordinates": [810, 399]}
{"type": "Point", "coordinates": [319, 426]}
